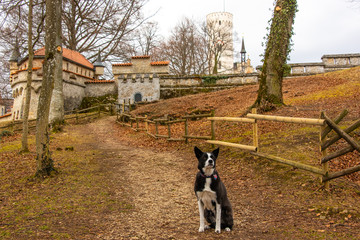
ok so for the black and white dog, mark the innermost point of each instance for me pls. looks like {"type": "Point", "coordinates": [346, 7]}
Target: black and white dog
{"type": "Point", "coordinates": [214, 205]}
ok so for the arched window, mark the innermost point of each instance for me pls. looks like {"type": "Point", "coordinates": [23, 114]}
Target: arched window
{"type": "Point", "coordinates": [138, 97]}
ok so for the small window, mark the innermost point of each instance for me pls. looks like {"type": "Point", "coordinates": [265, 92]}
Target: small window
{"type": "Point", "coordinates": [219, 22]}
{"type": "Point", "coordinates": [138, 97]}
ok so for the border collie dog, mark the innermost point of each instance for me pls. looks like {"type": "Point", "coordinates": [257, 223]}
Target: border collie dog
{"type": "Point", "coordinates": [214, 205]}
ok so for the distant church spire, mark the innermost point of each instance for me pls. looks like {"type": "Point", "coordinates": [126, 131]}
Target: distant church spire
{"type": "Point", "coordinates": [243, 51]}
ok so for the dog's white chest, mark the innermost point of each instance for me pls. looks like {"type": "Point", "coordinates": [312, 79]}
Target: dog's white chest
{"type": "Point", "coordinates": [207, 196]}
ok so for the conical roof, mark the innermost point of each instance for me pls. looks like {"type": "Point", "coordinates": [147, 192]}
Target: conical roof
{"type": "Point", "coordinates": [15, 56]}
{"type": "Point", "coordinates": [98, 62]}
{"type": "Point", "coordinates": [243, 46]}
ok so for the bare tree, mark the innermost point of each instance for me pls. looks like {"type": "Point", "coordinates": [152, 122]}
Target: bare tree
{"type": "Point", "coordinates": [276, 53]}
{"type": "Point", "coordinates": [93, 25]}
{"type": "Point", "coordinates": [186, 49]}
{"type": "Point", "coordinates": [44, 161]}
{"type": "Point", "coordinates": [220, 43]}
{"type": "Point", "coordinates": [24, 141]}
{"type": "Point", "coordinates": [14, 25]}
{"type": "Point", "coordinates": [147, 39]}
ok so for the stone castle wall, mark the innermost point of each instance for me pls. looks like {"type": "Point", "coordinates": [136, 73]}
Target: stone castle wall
{"type": "Point", "coordinates": [329, 63]}
{"type": "Point", "coordinates": [196, 81]}
{"type": "Point", "coordinates": [138, 87]}
{"type": "Point", "coordinates": [100, 88]}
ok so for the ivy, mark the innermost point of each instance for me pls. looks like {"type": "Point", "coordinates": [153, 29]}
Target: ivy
{"type": "Point", "coordinates": [212, 79]}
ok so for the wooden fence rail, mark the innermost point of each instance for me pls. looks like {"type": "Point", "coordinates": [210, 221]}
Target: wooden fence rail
{"type": "Point", "coordinates": [74, 114]}
{"type": "Point", "coordinates": [124, 117]}
{"type": "Point", "coordinates": [326, 126]}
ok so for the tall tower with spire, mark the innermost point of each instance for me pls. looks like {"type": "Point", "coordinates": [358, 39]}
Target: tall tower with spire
{"type": "Point", "coordinates": [243, 55]}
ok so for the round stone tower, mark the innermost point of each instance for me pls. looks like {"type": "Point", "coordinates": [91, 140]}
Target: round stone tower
{"type": "Point", "coordinates": [220, 35]}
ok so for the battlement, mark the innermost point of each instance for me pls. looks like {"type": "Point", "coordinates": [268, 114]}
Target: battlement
{"type": "Point", "coordinates": [133, 78]}
{"type": "Point", "coordinates": [140, 65]}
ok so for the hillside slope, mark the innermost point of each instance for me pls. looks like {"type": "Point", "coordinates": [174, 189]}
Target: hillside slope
{"type": "Point", "coordinates": [331, 92]}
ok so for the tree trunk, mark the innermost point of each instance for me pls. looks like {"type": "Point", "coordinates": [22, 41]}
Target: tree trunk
{"type": "Point", "coordinates": [44, 161]}
{"type": "Point", "coordinates": [57, 100]}
{"type": "Point", "coordinates": [24, 141]}
{"type": "Point", "coordinates": [276, 53]}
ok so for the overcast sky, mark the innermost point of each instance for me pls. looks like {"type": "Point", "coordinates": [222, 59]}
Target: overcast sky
{"type": "Point", "coordinates": [321, 26]}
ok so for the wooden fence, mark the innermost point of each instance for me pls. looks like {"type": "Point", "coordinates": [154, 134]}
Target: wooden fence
{"type": "Point", "coordinates": [17, 125]}
{"type": "Point", "coordinates": [326, 126]}
{"type": "Point", "coordinates": [142, 124]}
{"type": "Point", "coordinates": [325, 123]}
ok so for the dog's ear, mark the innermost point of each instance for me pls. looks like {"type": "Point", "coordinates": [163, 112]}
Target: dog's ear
{"type": "Point", "coordinates": [216, 152]}
{"type": "Point", "coordinates": [198, 152]}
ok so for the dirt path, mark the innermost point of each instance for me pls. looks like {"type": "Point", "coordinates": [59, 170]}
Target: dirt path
{"type": "Point", "coordinates": [159, 187]}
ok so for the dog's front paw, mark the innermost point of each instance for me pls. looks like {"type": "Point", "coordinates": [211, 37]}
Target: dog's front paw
{"type": "Point", "coordinates": [217, 231]}
{"type": "Point", "coordinates": [227, 229]}
{"type": "Point", "coordinates": [201, 229]}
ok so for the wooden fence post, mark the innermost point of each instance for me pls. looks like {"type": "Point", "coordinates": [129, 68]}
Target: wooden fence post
{"type": "Point", "coordinates": [137, 123]}
{"type": "Point", "coordinates": [255, 132]}
{"type": "Point", "coordinates": [146, 124]}
{"type": "Point", "coordinates": [186, 131]}
{"type": "Point", "coordinates": [212, 127]}
{"type": "Point", "coordinates": [325, 166]}
{"type": "Point", "coordinates": [129, 105]}
{"type": "Point", "coordinates": [156, 128]}
{"type": "Point", "coordinates": [169, 129]}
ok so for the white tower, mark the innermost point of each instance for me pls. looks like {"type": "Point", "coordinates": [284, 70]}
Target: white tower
{"type": "Point", "coordinates": [220, 36]}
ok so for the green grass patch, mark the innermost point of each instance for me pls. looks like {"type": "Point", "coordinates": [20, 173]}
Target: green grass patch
{"type": "Point", "coordinates": [344, 90]}
{"type": "Point", "coordinates": [66, 205]}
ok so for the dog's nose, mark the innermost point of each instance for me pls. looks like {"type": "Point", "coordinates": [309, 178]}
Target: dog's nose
{"type": "Point", "coordinates": [211, 161]}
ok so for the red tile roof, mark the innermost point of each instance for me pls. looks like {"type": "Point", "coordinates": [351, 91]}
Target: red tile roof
{"type": "Point", "coordinates": [71, 55]}
{"type": "Point", "coordinates": [140, 57]}
{"type": "Point", "coordinates": [5, 115]}
{"type": "Point", "coordinates": [122, 64]}
{"type": "Point", "coordinates": [159, 63]}
{"type": "Point", "coordinates": [25, 69]}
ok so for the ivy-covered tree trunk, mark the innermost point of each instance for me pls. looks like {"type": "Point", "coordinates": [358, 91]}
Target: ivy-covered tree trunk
{"type": "Point", "coordinates": [24, 141]}
{"type": "Point", "coordinates": [276, 53]}
{"type": "Point", "coordinates": [44, 161]}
